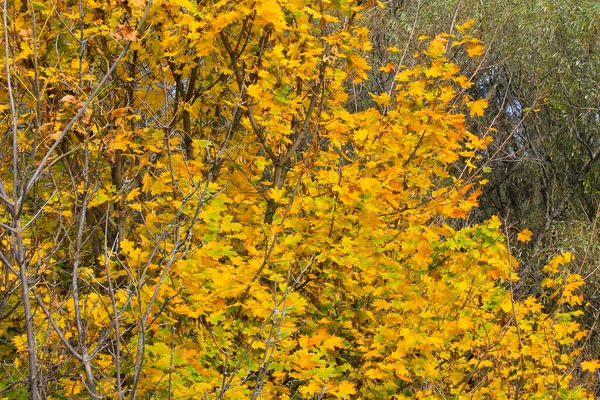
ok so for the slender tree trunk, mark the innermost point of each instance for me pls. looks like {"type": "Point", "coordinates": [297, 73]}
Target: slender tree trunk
{"type": "Point", "coordinates": [34, 392]}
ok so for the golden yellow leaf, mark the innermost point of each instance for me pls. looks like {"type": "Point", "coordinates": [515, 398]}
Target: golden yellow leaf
{"type": "Point", "coordinates": [465, 323]}
{"type": "Point", "coordinates": [437, 47]}
{"type": "Point", "coordinates": [20, 342]}
{"type": "Point", "coordinates": [494, 223]}
{"type": "Point", "coordinates": [345, 389]}
{"type": "Point", "coordinates": [568, 256]}
{"type": "Point", "coordinates": [133, 194]}
{"type": "Point", "coordinates": [270, 11]}
{"type": "Point", "coordinates": [465, 25]}
{"type": "Point", "coordinates": [305, 362]}
{"type": "Point", "coordinates": [332, 342]}
{"type": "Point", "coordinates": [389, 67]}
{"type": "Point", "coordinates": [277, 193]}
{"type": "Point", "coordinates": [402, 372]}
{"type": "Point", "coordinates": [376, 374]}
{"type": "Point", "coordinates": [475, 49]}
{"type": "Point", "coordinates": [254, 91]}
{"type": "Point", "coordinates": [591, 365]}
{"type": "Point", "coordinates": [382, 99]}
{"type": "Point", "coordinates": [476, 108]}
{"type": "Point", "coordinates": [524, 235]}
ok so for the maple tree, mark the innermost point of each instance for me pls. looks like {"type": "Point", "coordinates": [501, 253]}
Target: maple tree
{"type": "Point", "coordinates": [190, 210]}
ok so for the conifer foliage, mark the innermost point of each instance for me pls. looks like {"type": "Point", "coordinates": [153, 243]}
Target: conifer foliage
{"type": "Point", "coordinates": [194, 206]}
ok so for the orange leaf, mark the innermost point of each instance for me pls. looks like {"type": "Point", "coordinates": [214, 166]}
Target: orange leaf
{"type": "Point", "coordinates": [127, 33]}
{"type": "Point", "coordinates": [475, 49]}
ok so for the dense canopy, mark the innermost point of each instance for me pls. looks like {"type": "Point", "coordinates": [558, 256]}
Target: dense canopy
{"type": "Point", "coordinates": [195, 204]}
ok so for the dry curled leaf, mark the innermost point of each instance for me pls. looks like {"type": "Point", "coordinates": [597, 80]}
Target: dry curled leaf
{"type": "Point", "coordinates": [124, 32]}
{"type": "Point", "coordinates": [69, 98]}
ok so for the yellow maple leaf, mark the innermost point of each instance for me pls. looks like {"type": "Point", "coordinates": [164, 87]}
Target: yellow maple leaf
{"type": "Point", "coordinates": [524, 235]}
{"type": "Point", "coordinates": [494, 223]}
{"type": "Point", "coordinates": [369, 185]}
{"type": "Point", "coordinates": [345, 389]}
{"type": "Point", "coordinates": [591, 366]}
{"type": "Point", "coordinates": [465, 25]}
{"type": "Point", "coordinates": [475, 49]}
{"type": "Point", "coordinates": [389, 67]}
{"type": "Point", "coordinates": [402, 372]}
{"type": "Point", "coordinates": [465, 323]}
{"type": "Point", "coordinates": [568, 257]}
{"type": "Point", "coordinates": [270, 11]}
{"type": "Point", "coordinates": [476, 108]}
{"type": "Point", "coordinates": [138, 7]}
{"type": "Point", "coordinates": [332, 342]}
{"type": "Point", "coordinates": [133, 194]}
{"type": "Point", "coordinates": [20, 342]}
{"type": "Point", "coordinates": [437, 46]}
{"type": "Point", "coordinates": [376, 374]}
{"type": "Point", "coordinates": [254, 91]}
{"type": "Point", "coordinates": [126, 246]}
{"type": "Point", "coordinates": [554, 264]}
{"type": "Point", "coordinates": [305, 362]}
{"type": "Point", "coordinates": [277, 193]}
{"type": "Point", "coordinates": [360, 135]}
{"type": "Point", "coordinates": [382, 99]}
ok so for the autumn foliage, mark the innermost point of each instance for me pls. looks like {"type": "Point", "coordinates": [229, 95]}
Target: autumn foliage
{"type": "Point", "coordinates": [195, 204]}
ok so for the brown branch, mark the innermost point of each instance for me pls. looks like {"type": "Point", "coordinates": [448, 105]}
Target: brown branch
{"type": "Point", "coordinates": [557, 211]}
{"type": "Point", "coordinates": [242, 87]}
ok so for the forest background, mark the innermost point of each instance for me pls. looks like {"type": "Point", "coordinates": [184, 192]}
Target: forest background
{"type": "Point", "coordinates": [299, 199]}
